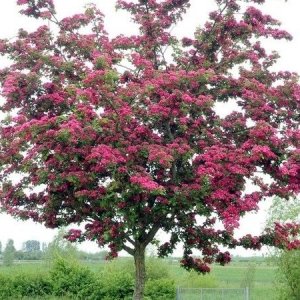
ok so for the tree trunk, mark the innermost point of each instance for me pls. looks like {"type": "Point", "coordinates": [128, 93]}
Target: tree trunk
{"type": "Point", "coordinates": [140, 272]}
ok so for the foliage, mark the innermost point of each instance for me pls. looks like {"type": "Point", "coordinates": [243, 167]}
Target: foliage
{"type": "Point", "coordinates": [34, 255]}
{"type": "Point", "coordinates": [227, 277]}
{"type": "Point", "coordinates": [160, 289]}
{"type": "Point", "coordinates": [17, 286]}
{"type": "Point", "coordinates": [69, 278]}
{"type": "Point", "coordinates": [101, 255]}
{"type": "Point", "coordinates": [60, 248]}
{"type": "Point", "coordinates": [283, 211]}
{"type": "Point", "coordinates": [117, 285]}
{"type": "Point", "coordinates": [6, 287]}
{"type": "Point", "coordinates": [289, 276]}
{"type": "Point", "coordinates": [288, 262]}
{"type": "Point", "coordinates": [110, 133]}
{"type": "Point", "coordinates": [32, 246]}
{"type": "Point", "coordinates": [9, 253]}
{"type": "Point", "coordinates": [156, 269]}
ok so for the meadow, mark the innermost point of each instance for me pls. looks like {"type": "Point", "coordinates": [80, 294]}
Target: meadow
{"type": "Point", "coordinates": [258, 275]}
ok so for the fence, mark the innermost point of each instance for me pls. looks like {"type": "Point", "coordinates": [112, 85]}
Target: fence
{"type": "Point", "coordinates": [212, 294]}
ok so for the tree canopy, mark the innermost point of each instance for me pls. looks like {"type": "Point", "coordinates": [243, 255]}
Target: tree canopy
{"type": "Point", "coordinates": [122, 134]}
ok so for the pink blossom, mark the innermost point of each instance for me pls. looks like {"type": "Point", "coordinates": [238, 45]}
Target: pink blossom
{"type": "Point", "coordinates": [144, 182]}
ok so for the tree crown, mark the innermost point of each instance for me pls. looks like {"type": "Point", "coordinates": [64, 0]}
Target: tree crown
{"type": "Point", "coordinates": [122, 133]}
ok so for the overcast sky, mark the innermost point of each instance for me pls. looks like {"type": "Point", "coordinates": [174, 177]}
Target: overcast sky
{"type": "Point", "coordinates": [116, 23]}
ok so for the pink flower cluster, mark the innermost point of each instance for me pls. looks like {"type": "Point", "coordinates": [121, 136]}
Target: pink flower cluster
{"type": "Point", "coordinates": [105, 156]}
{"type": "Point", "coordinates": [145, 182]}
{"type": "Point", "coordinates": [74, 235]}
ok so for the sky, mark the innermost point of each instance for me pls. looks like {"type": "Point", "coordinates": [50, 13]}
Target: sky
{"type": "Point", "coordinates": [117, 23]}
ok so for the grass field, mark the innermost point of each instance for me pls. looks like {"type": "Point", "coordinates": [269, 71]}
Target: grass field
{"type": "Point", "coordinates": [257, 275]}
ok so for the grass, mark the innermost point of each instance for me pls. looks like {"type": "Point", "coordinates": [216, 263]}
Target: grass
{"type": "Point", "coordinates": [259, 276]}
{"type": "Point", "coordinates": [33, 267]}
{"type": "Point", "coordinates": [260, 279]}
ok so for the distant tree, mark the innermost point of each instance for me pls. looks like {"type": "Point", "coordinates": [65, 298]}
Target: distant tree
{"type": "Point", "coordinates": [283, 211]}
{"type": "Point", "coordinates": [101, 255]}
{"type": "Point", "coordinates": [44, 246]}
{"type": "Point", "coordinates": [247, 281]}
{"type": "Point", "coordinates": [0, 247]}
{"type": "Point", "coordinates": [60, 247]}
{"type": "Point", "coordinates": [9, 253]}
{"type": "Point", "coordinates": [122, 134]}
{"type": "Point", "coordinates": [31, 246]}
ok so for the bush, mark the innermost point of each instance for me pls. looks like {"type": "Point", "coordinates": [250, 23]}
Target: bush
{"type": "Point", "coordinates": [288, 282]}
{"type": "Point", "coordinates": [32, 285]}
{"type": "Point", "coordinates": [67, 278]}
{"type": "Point", "coordinates": [24, 285]}
{"type": "Point", "coordinates": [160, 289]}
{"type": "Point", "coordinates": [156, 268]}
{"type": "Point", "coordinates": [70, 279]}
{"type": "Point", "coordinates": [116, 281]}
{"type": "Point", "coordinates": [115, 286]}
{"type": "Point", "coordinates": [6, 286]}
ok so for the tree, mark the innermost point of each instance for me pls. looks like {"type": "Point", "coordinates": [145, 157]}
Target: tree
{"type": "Point", "coordinates": [0, 247]}
{"type": "Point", "coordinates": [281, 211]}
{"type": "Point", "coordinates": [31, 250]}
{"type": "Point", "coordinates": [9, 253]}
{"type": "Point", "coordinates": [122, 134]}
{"type": "Point", "coordinates": [32, 246]}
{"type": "Point", "coordinates": [60, 248]}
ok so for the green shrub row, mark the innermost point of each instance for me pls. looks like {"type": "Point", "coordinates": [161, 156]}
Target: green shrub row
{"type": "Point", "coordinates": [69, 279]}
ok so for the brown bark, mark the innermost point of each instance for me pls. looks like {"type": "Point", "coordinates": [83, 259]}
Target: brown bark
{"type": "Point", "coordinates": [140, 272]}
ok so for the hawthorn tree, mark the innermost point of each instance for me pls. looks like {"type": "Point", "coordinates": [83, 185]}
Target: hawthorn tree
{"type": "Point", "coordinates": [122, 134]}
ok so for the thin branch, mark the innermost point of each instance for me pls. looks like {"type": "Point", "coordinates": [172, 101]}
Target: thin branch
{"type": "Point", "coordinates": [127, 68]}
{"type": "Point", "coordinates": [209, 34]}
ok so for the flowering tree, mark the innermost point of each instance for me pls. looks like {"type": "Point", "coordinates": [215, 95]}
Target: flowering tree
{"type": "Point", "coordinates": [122, 135]}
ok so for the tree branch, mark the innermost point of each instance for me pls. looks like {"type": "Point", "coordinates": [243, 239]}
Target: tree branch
{"type": "Point", "coordinates": [149, 237]}
{"type": "Point", "coordinates": [131, 241]}
{"type": "Point", "coordinates": [128, 250]}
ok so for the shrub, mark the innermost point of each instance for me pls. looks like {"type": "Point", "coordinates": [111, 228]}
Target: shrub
{"type": "Point", "coordinates": [116, 286]}
{"type": "Point", "coordinates": [156, 268]}
{"type": "Point", "coordinates": [288, 282]}
{"type": "Point", "coordinates": [117, 280]}
{"type": "Point", "coordinates": [32, 285]}
{"type": "Point", "coordinates": [21, 285]}
{"type": "Point", "coordinates": [160, 289]}
{"type": "Point", "coordinates": [6, 287]}
{"type": "Point", "coordinates": [70, 279]}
